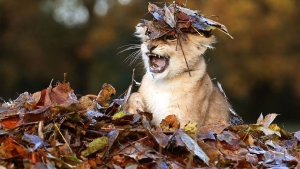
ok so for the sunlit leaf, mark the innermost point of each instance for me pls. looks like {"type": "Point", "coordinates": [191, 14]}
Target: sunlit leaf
{"type": "Point", "coordinates": [213, 153]}
{"type": "Point", "coordinates": [105, 94]}
{"type": "Point", "coordinates": [265, 122]}
{"type": "Point", "coordinates": [260, 119]}
{"type": "Point", "coordinates": [266, 131]}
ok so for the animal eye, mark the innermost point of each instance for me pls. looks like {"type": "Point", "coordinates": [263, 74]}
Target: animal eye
{"type": "Point", "coordinates": [171, 37]}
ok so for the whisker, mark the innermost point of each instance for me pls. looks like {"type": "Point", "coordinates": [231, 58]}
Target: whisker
{"type": "Point", "coordinates": [130, 48]}
{"type": "Point", "coordinates": [127, 45]}
{"type": "Point", "coordinates": [133, 57]}
{"type": "Point", "coordinates": [136, 57]}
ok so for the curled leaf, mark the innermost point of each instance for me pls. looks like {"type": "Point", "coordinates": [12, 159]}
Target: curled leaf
{"type": "Point", "coordinates": [118, 115]}
{"type": "Point", "coordinates": [97, 144]}
{"type": "Point", "coordinates": [105, 94]}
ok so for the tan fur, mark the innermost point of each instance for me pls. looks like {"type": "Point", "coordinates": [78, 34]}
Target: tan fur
{"type": "Point", "coordinates": [191, 98]}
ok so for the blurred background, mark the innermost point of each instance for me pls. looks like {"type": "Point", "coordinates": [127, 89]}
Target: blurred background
{"type": "Point", "coordinates": [258, 69]}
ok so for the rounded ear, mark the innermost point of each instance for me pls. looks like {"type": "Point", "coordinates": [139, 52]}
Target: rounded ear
{"type": "Point", "coordinates": [140, 31]}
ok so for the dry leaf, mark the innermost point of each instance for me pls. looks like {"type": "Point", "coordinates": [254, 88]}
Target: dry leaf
{"type": "Point", "coordinates": [170, 123]}
{"type": "Point", "coordinates": [192, 146]}
{"type": "Point", "coordinates": [105, 94]}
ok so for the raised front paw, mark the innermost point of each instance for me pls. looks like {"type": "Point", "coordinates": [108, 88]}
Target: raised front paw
{"type": "Point", "coordinates": [134, 104]}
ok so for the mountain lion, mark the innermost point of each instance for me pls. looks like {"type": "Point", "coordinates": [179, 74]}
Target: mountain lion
{"type": "Point", "coordinates": [171, 87]}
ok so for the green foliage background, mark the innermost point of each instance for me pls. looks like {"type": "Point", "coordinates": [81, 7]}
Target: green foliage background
{"type": "Point", "coordinates": [259, 69]}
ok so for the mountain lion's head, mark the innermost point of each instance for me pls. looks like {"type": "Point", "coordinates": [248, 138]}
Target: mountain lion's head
{"type": "Point", "coordinates": [171, 55]}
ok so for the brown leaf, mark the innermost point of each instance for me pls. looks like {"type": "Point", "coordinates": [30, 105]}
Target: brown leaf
{"type": "Point", "coordinates": [10, 149]}
{"type": "Point", "coordinates": [63, 95]}
{"type": "Point", "coordinates": [84, 165]}
{"type": "Point", "coordinates": [214, 154]}
{"type": "Point", "coordinates": [236, 155]}
{"type": "Point", "coordinates": [41, 101]}
{"type": "Point", "coordinates": [160, 138]}
{"type": "Point", "coordinates": [127, 119]}
{"type": "Point", "coordinates": [170, 123]}
{"type": "Point", "coordinates": [249, 140]}
{"type": "Point", "coordinates": [105, 94]}
{"type": "Point", "coordinates": [140, 151]}
{"type": "Point", "coordinates": [208, 135]}
{"type": "Point", "coordinates": [252, 158]}
{"type": "Point", "coordinates": [192, 146]}
{"type": "Point", "coordinates": [86, 102]}
{"type": "Point", "coordinates": [230, 138]}
{"type": "Point", "coordinates": [36, 115]}
{"type": "Point", "coordinates": [11, 122]}
{"type": "Point", "coordinates": [6, 113]}
{"type": "Point", "coordinates": [27, 101]}
{"type": "Point", "coordinates": [184, 19]}
{"type": "Point", "coordinates": [215, 128]}
{"type": "Point", "coordinates": [243, 164]}
{"type": "Point", "coordinates": [179, 3]}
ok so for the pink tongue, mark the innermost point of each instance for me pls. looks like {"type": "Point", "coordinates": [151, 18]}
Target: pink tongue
{"type": "Point", "coordinates": [160, 62]}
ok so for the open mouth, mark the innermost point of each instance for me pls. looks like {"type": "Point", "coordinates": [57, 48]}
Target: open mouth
{"type": "Point", "coordinates": [157, 63]}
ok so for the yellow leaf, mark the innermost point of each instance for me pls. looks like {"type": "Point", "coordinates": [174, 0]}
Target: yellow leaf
{"type": "Point", "coordinates": [119, 115]}
{"type": "Point", "coordinates": [191, 129]}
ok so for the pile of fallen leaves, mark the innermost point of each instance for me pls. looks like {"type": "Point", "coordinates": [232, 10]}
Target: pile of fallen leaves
{"type": "Point", "coordinates": [176, 19]}
{"type": "Point", "coordinates": [52, 129]}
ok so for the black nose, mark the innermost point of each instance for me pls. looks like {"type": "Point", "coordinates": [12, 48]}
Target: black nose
{"type": "Point", "coordinates": [151, 47]}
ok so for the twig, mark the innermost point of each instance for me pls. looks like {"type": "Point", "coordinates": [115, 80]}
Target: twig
{"type": "Point", "coordinates": [130, 144]}
{"type": "Point", "coordinates": [187, 65]}
{"type": "Point", "coordinates": [63, 137]}
{"type": "Point", "coordinates": [133, 130]}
